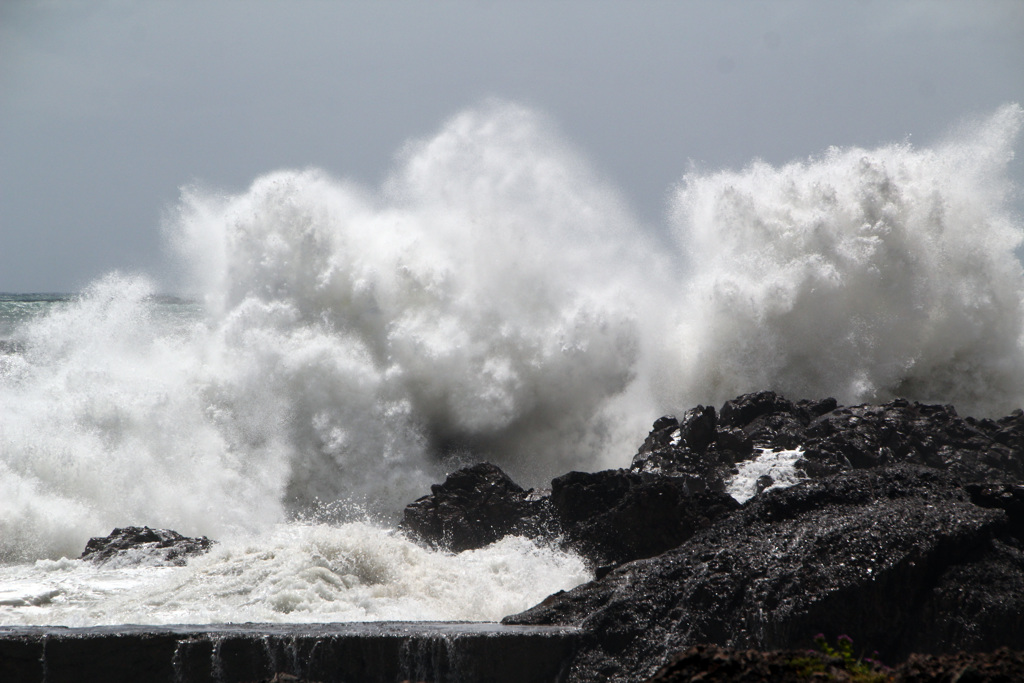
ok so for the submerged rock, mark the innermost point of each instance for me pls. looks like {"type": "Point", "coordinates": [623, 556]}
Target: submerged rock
{"type": "Point", "coordinates": [143, 545]}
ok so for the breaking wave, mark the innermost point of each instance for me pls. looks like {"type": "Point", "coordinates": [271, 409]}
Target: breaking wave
{"type": "Point", "coordinates": [496, 299]}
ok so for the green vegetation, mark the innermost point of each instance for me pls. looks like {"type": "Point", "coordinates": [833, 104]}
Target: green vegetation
{"type": "Point", "coordinates": [830, 660]}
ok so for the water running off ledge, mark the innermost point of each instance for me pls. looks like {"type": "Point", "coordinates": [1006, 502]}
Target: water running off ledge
{"type": "Point", "coordinates": [453, 652]}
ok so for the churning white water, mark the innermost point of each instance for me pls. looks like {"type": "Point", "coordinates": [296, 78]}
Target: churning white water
{"type": "Point", "coordinates": [294, 573]}
{"type": "Point", "coordinates": [493, 300]}
{"type": "Point", "coordinates": [779, 466]}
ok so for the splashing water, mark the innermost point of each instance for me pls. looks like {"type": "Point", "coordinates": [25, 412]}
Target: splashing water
{"type": "Point", "coordinates": [488, 300]}
{"type": "Point", "coordinates": [864, 275]}
{"type": "Point", "coordinates": [496, 300]}
{"type": "Point", "coordinates": [779, 466]}
{"type": "Point", "coordinates": [295, 573]}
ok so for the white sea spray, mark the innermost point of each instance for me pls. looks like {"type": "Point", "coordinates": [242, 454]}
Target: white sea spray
{"type": "Point", "coordinates": [860, 274]}
{"type": "Point", "coordinates": [778, 465]}
{"type": "Point", "coordinates": [295, 573]}
{"type": "Point", "coordinates": [493, 300]}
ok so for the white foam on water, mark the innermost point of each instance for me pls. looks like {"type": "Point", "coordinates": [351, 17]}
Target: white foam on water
{"type": "Point", "coordinates": [780, 465]}
{"type": "Point", "coordinates": [296, 573]}
{"type": "Point", "coordinates": [494, 300]}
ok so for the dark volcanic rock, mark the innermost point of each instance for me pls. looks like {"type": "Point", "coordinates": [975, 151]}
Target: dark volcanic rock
{"type": "Point", "coordinates": [1009, 497]}
{"type": "Point", "coordinates": [907, 534]}
{"type": "Point", "coordinates": [835, 438]}
{"type": "Point", "coordinates": [474, 507]}
{"type": "Point", "coordinates": [142, 545]}
{"type": "Point", "coordinates": [744, 410]}
{"type": "Point", "coordinates": [871, 553]}
{"type": "Point", "coordinates": [609, 517]}
{"type": "Point", "coordinates": [899, 431]}
{"type": "Point", "coordinates": [688, 447]}
{"type": "Point", "coordinates": [975, 603]}
{"type": "Point", "coordinates": [711, 664]}
{"type": "Point", "coordinates": [1002, 666]}
{"type": "Point", "coordinates": [708, 445]}
{"type": "Point", "coordinates": [616, 516]}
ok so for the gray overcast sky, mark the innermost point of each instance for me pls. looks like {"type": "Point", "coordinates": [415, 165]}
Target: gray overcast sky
{"type": "Point", "coordinates": [108, 107]}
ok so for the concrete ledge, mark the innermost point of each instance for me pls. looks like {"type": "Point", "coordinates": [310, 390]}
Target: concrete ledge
{"type": "Point", "coordinates": [387, 652]}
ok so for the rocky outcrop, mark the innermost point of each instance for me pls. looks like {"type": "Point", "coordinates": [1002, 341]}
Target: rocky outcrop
{"type": "Point", "coordinates": [835, 438]}
{"type": "Point", "coordinates": [609, 517]}
{"type": "Point", "coordinates": [900, 558]}
{"type": "Point", "coordinates": [708, 444]}
{"type": "Point", "coordinates": [711, 664]}
{"type": "Point", "coordinates": [906, 533]}
{"type": "Point", "coordinates": [476, 506]}
{"type": "Point", "coordinates": [676, 482]}
{"type": "Point", "coordinates": [616, 516]}
{"type": "Point", "coordinates": [142, 545]}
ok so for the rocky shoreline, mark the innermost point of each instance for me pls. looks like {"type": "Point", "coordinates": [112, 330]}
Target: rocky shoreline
{"type": "Point", "coordinates": [904, 535]}
{"type": "Point", "coordinates": [712, 664]}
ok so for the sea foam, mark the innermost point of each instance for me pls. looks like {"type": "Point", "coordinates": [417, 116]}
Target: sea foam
{"type": "Point", "coordinates": [296, 573]}
{"type": "Point", "coordinates": [496, 300]}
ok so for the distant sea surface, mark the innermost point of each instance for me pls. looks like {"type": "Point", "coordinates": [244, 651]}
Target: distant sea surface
{"type": "Point", "coordinates": [15, 309]}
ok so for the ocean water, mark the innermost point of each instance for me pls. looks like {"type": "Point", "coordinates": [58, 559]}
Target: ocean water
{"type": "Point", "coordinates": [337, 348]}
{"type": "Point", "coordinates": [779, 465]}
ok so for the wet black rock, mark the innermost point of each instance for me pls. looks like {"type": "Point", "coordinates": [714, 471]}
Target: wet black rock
{"type": "Point", "coordinates": [367, 652]}
{"type": "Point", "coordinates": [900, 558]}
{"type": "Point", "coordinates": [616, 516]}
{"type": "Point", "coordinates": [690, 447]}
{"type": "Point", "coordinates": [609, 517]}
{"type": "Point", "coordinates": [835, 438]}
{"type": "Point", "coordinates": [1008, 497]}
{"type": "Point", "coordinates": [476, 506]}
{"type": "Point", "coordinates": [711, 664]}
{"type": "Point", "coordinates": [708, 445]}
{"type": "Point", "coordinates": [143, 545]}
{"type": "Point", "coordinates": [906, 533]}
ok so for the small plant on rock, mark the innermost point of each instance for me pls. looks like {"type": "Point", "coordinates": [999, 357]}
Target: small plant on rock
{"type": "Point", "coordinates": [831, 660]}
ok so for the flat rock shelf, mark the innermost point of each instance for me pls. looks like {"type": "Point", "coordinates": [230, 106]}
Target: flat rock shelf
{"type": "Point", "coordinates": [365, 652]}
